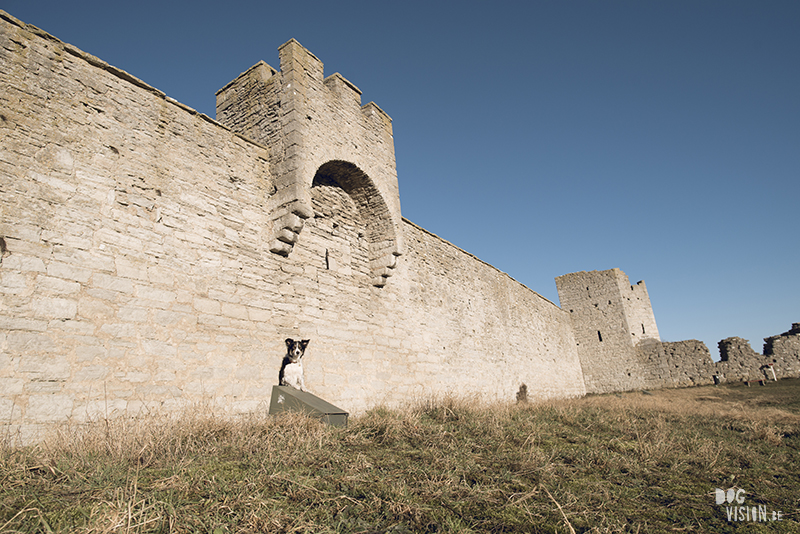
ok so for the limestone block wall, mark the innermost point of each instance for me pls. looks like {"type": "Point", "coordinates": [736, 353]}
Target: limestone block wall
{"type": "Point", "coordinates": [126, 220]}
{"type": "Point", "coordinates": [603, 307]}
{"type": "Point", "coordinates": [676, 364]}
{"type": "Point", "coordinates": [784, 351]}
{"type": "Point", "coordinates": [476, 330]}
{"type": "Point", "coordinates": [689, 363]}
{"type": "Point", "coordinates": [738, 361]}
{"type": "Point", "coordinates": [137, 270]}
{"type": "Point", "coordinates": [635, 300]}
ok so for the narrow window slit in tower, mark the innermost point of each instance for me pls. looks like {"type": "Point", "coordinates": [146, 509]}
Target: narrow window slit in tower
{"type": "Point", "coordinates": [643, 332]}
{"type": "Point", "coordinates": [599, 335]}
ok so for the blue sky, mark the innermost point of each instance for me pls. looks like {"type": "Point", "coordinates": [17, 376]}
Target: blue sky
{"type": "Point", "coordinates": [662, 138]}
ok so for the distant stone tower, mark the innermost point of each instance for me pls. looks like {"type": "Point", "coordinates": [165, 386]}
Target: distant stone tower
{"type": "Point", "coordinates": [610, 318]}
{"type": "Point", "coordinates": [318, 133]}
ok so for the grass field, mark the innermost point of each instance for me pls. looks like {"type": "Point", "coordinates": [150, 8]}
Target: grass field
{"type": "Point", "coordinates": [633, 462]}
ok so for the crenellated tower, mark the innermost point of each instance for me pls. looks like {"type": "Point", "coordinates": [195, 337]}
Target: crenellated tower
{"type": "Point", "coordinates": [317, 132]}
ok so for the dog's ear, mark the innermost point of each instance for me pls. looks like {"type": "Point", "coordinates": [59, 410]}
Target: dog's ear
{"type": "Point", "coordinates": [289, 342]}
{"type": "Point", "coordinates": [304, 344]}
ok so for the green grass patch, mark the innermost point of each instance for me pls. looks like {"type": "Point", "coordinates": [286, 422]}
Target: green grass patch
{"type": "Point", "coordinates": [633, 462]}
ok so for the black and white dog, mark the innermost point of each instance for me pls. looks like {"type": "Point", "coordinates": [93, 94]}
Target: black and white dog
{"type": "Point", "coordinates": [292, 367]}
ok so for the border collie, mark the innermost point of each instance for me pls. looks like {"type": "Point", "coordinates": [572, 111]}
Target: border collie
{"type": "Point", "coordinates": [292, 367]}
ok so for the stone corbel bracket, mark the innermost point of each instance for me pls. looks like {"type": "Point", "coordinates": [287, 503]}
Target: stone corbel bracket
{"type": "Point", "coordinates": [292, 208]}
{"type": "Point", "coordinates": [383, 263]}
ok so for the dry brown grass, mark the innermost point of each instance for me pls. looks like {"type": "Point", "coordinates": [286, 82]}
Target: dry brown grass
{"type": "Point", "coordinates": [632, 462]}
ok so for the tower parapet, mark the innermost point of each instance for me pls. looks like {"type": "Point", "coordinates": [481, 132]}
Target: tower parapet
{"type": "Point", "coordinates": [316, 127]}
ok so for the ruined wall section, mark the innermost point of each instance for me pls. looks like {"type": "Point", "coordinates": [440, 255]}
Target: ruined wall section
{"type": "Point", "coordinates": [136, 270]}
{"type": "Point", "coordinates": [689, 363]}
{"type": "Point", "coordinates": [599, 314]}
{"type": "Point", "coordinates": [784, 351]}
{"type": "Point", "coordinates": [738, 360]}
{"type": "Point", "coordinates": [638, 310]}
{"type": "Point", "coordinates": [676, 364]}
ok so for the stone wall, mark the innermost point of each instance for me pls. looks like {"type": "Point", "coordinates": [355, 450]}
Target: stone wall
{"type": "Point", "coordinates": [620, 349]}
{"type": "Point", "coordinates": [676, 364]}
{"type": "Point", "coordinates": [610, 318]}
{"type": "Point", "coordinates": [140, 269]}
{"type": "Point", "coordinates": [152, 257]}
{"type": "Point", "coordinates": [318, 132]}
{"type": "Point", "coordinates": [689, 363]}
{"type": "Point", "coordinates": [784, 351]}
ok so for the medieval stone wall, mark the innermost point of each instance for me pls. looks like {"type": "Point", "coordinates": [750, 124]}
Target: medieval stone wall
{"type": "Point", "coordinates": [610, 318]}
{"type": "Point", "coordinates": [151, 257]}
{"type": "Point", "coordinates": [784, 350]}
{"type": "Point", "coordinates": [318, 131]}
{"type": "Point", "coordinates": [620, 349]}
{"type": "Point", "coordinates": [139, 270]}
{"type": "Point", "coordinates": [689, 363]}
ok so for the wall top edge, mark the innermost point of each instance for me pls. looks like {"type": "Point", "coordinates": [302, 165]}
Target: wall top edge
{"type": "Point", "coordinates": [473, 256]}
{"type": "Point", "coordinates": [615, 270]}
{"type": "Point", "coordinates": [261, 63]}
{"type": "Point", "coordinates": [121, 74]}
{"type": "Point", "coordinates": [296, 42]}
{"type": "Point", "coordinates": [348, 83]}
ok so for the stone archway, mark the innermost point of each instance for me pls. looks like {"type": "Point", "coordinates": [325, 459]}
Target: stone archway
{"type": "Point", "coordinates": [374, 212]}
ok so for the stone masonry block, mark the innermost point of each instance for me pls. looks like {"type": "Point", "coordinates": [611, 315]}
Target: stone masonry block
{"type": "Point", "coordinates": [22, 323]}
{"type": "Point", "coordinates": [10, 387]}
{"type": "Point", "coordinates": [45, 367]}
{"type": "Point", "coordinates": [51, 285]}
{"type": "Point", "coordinates": [152, 293]}
{"type": "Point", "coordinates": [13, 283]}
{"type": "Point", "coordinates": [292, 222]}
{"type": "Point", "coordinates": [68, 272]}
{"type": "Point", "coordinates": [207, 306]}
{"type": "Point", "coordinates": [29, 343]}
{"type": "Point", "coordinates": [95, 309]}
{"type": "Point", "coordinates": [55, 308]}
{"type": "Point", "coordinates": [112, 283]}
{"type": "Point", "coordinates": [20, 262]}
{"type": "Point", "coordinates": [130, 269]}
{"type": "Point", "coordinates": [287, 236]}
{"type": "Point", "coordinates": [236, 311]}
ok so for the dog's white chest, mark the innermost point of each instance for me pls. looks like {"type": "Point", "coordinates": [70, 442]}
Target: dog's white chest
{"type": "Point", "coordinates": [293, 375]}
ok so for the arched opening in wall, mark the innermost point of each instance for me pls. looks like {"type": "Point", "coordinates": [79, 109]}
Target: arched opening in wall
{"type": "Point", "coordinates": [364, 211]}
{"type": "Point", "coordinates": [341, 229]}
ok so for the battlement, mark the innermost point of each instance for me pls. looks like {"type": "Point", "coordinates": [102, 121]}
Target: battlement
{"type": "Point", "coordinates": [311, 125]}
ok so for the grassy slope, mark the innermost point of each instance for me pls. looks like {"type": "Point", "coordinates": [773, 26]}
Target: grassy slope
{"type": "Point", "coordinates": [617, 463]}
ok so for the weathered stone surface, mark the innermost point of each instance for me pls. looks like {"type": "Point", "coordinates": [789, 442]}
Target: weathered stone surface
{"type": "Point", "coordinates": [620, 349]}
{"type": "Point", "coordinates": [152, 257]}
{"type": "Point", "coordinates": [610, 317]}
{"type": "Point", "coordinates": [155, 257]}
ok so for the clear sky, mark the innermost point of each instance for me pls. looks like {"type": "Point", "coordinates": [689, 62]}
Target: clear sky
{"type": "Point", "coordinates": [660, 137]}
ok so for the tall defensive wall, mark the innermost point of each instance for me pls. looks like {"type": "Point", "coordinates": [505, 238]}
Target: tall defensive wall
{"type": "Point", "coordinates": [153, 257]}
